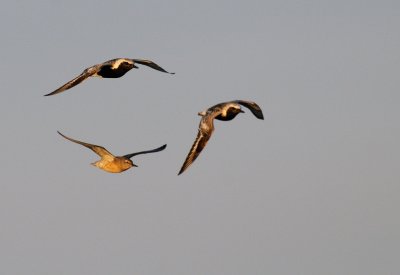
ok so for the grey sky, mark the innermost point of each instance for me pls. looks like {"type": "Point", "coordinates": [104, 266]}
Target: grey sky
{"type": "Point", "coordinates": [312, 189]}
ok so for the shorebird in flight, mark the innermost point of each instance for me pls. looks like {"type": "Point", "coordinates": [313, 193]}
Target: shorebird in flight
{"type": "Point", "coordinates": [113, 68]}
{"type": "Point", "coordinates": [223, 111]}
{"type": "Point", "coordinates": [109, 162]}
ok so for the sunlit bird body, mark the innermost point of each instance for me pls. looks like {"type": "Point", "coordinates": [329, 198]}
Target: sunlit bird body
{"type": "Point", "coordinates": [223, 111]}
{"type": "Point", "coordinates": [114, 68]}
{"type": "Point", "coordinates": [109, 162]}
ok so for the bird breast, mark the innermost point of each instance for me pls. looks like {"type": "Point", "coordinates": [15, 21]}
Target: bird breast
{"type": "Point", "coordinates": [115, 166]}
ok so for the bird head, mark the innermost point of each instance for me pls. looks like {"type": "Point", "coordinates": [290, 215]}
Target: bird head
{"type": "Point", "coordinates": [127, 163]}
{"type": "Point", "coordinates": [230, 112]}
{"type": "Point", "coordinates": [125, 63]}
{"type": "Point", "coordinates": [129, 65]}
{"type": "Point", "coordinates": [234, 110]}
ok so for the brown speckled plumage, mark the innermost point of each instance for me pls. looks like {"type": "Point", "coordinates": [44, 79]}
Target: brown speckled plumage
{"type": "Point", "coordinates": [223, 111]}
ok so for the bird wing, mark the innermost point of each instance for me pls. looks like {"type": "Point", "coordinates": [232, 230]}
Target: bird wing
{"type": "Point", "coordinates": [99, 150]}
{"type": "Point", "coordinates": [150, 64]}
{"type": "Point", "coordinates": [72, 83]}
{"type": "Point", "coordinates": [145, 152]}
{"type": "Point", "coordinates": [253, 107]}
{"type": "Point", "coordinates": [206, 129]}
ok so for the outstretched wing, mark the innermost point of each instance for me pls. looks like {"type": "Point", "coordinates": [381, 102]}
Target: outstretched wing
{"type": "Point", "coordinates": [150, 64]}
{"type": "Point", "coordinates": [146, 152]}
{"type": "Point", "coordinates": [72, 83]}
{"type": "Point", "coordinates": [253, 107]}
{"type": "Point", "coordinates": [206, 128]}
{"type": "Point", "coordinates": [101, 151]}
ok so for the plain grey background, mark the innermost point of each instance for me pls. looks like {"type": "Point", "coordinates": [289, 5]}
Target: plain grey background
{"type": "Point", "coordinates": [312, 189]}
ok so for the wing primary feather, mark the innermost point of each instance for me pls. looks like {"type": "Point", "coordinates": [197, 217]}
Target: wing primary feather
{"type": "Point", "coordinates": [99, 150]}
{"type": "Point", "coordinates": [198, 145]}
{"type": "Point", "coordinates": [146, 152]}
{"type": "Point", "coordinates": [72, 83]}
{"type": "Point", "coordinates": [253, 107]}
{"type": "Point", "coordinates": [150, 64]}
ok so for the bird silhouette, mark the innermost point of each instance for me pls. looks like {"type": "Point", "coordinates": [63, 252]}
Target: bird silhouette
{"type": "Point", "coordinates": [223, 111]}
{"type": "Point", "coordinates": [113, 68]}
{"type": "Point", "coordinates": [109, 162]}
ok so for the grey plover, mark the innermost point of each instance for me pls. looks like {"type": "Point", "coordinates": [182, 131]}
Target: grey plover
{"type": "Point", "coordinates": [109, 162]}
{"type": "Point", "coordinates": [114, 68]}
{"type": "Point", "coordinates": [223, 111]}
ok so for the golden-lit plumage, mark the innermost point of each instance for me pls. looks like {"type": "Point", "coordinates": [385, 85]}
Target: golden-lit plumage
{"type": "Point", "coordinates": [224, 111]}
{"type": "Point", "coordinates": [113, 68]}
{"type": "Point", "coordinates": [108, 162]}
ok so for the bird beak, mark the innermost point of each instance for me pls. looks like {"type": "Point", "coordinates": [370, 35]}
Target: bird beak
{"type": "Point", "coordinates": [241, 111]}
{"type": "Point", "coordinates": [134, 66]}
{"type": "Point", "coordinates": [134, 165]}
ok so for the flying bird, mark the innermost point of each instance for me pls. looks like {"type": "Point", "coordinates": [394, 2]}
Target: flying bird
{"type": "Point", "coordinates": [113, 68]}
{"type": "Point", "coordinates": [109, 162]}
{"type": "Point", "coordinates": [223, 111]}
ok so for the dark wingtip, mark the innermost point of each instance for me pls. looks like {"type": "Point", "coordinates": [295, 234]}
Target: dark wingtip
{"type": "Point", "coordinates": [161, 148]}
{"type": "Point", "coordinates": [258, 114]}
{"type": "Point", "coordinates": [52, 93]}
{"type": "Point", "coordinates": [61, 134]}
{"type": "Point", "coordinates": [183, 169]}
{"type": "Point", "coordinates": [164, 71]}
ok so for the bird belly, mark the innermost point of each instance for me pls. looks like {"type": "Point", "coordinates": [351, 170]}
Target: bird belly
{"type": "Point", "coordinates": [225, 118]}
{"type": "Point", "coordinates": [108, 72]}
{"type": "Point", "coordinates": [110, 167]}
